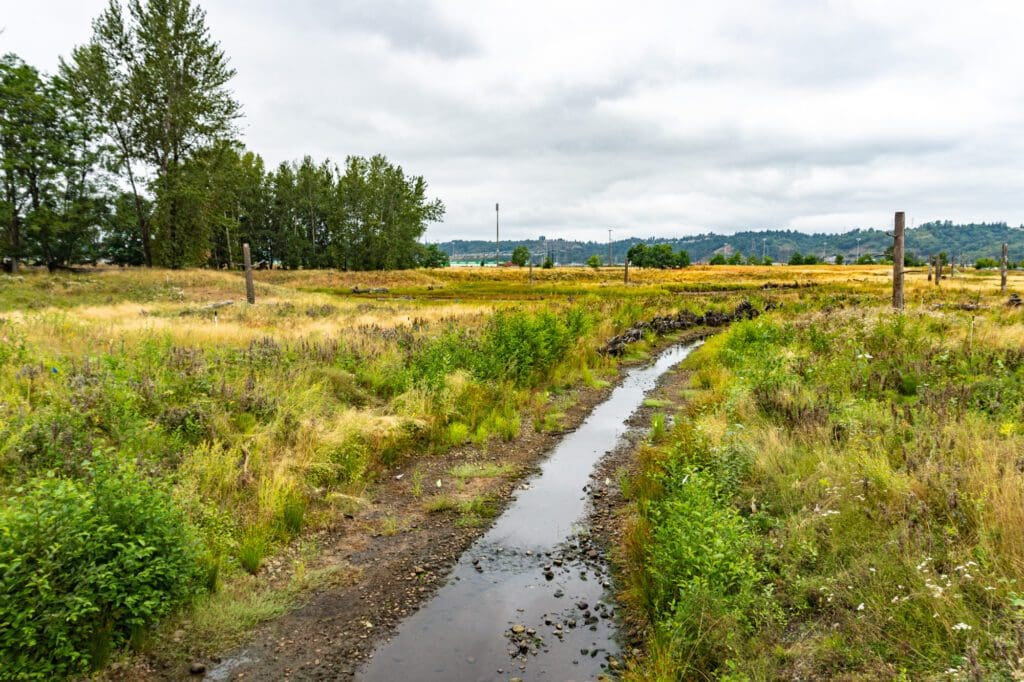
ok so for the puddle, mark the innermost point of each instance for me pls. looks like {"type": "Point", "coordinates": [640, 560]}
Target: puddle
{"type": "Point", "coordinates": [529, 599]}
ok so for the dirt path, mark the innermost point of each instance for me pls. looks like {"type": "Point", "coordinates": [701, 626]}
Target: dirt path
{"type": "Point", "coordinates": [391, 572]}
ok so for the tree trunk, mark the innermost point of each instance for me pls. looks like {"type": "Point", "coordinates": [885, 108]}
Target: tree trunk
{"type": "Point", "coordinates": [14, 226]}
{"type": "Point", "coordinates": [147, 253]}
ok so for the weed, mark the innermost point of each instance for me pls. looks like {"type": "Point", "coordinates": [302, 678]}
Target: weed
{"type": "Point", "coordinates": [477, 511]}
{"type": "Point", "coordinates": [416, 483]}
{"type": "Point", "coordinates": [440, 503]}
{"type": "Point", "coordinates": [251, 551]}
{"type": "Point", "coordinates": [389, 525]}
{"type": "Point", "coordinates": [480, 470]}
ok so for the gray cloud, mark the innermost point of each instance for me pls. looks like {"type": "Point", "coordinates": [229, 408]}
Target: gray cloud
{"type": "Point", "coordinates": [657, 118]}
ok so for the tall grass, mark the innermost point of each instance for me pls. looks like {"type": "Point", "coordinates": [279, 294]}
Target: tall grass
{"type": "Point", "coordinates": [861, 468]}
{"type": "Point", "coordinates": [260, 417]}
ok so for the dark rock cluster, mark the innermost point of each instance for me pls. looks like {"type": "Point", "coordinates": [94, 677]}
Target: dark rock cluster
{"type": "Point", "coordinates": [664, 324]}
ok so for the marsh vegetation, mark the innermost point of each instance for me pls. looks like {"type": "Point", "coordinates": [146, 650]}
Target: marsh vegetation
{"type": "Point", "coordinates": [838, 492]}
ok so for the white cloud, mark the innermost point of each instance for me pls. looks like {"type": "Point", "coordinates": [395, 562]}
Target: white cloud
{"type": "Point", "coordinates": [650, 117]}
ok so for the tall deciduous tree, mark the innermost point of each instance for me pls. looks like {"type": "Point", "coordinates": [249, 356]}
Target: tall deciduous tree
{"type": "Point", "coordinates": [159, 82]}
{"type": "Point", "coordinates": [48, 156]}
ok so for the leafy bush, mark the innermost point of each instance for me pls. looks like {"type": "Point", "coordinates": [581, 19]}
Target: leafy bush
{"type": "Point", "coordinates": [519, 347]}
{"type": "Point", "coordinates": [84, 569]}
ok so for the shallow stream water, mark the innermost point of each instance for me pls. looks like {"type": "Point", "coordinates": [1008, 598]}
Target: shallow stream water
{"type": "Point", "coordinates": [529, 599]}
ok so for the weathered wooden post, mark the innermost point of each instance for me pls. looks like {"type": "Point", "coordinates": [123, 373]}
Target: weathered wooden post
{"type": "Point", "coordinates": [531, 270]}
{"type": "Point", "coordinates": [897, 260]}
{"type": "Point", "coordinates": [625, 275]}
{"type": "Point", "coordinates": [1002, 269]}
{"type": "Point", "coordinates": [938, 270]}
{"type": "Point", "coordinates": [931, 263]}
{"type": "Point", "coordinates": [250, 290]}
{"type": "Point", "coordinates": [952, 267]}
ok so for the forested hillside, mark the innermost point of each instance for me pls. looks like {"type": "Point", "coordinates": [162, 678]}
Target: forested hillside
{"type": "Point", "coordinates": [967, 242]}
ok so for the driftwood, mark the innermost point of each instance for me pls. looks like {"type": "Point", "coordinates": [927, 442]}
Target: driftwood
{"type": "Point", "coordinates": [372, 290]}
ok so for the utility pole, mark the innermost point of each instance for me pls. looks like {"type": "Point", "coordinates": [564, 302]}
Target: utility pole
{"type": "Point", "coordinates": [764, 248]}
{"type": "Point", "coordinates": [897, 260]}
{"type": "Point", "coordinates": [497, 237]}
{"type": "Point", "coordinates": [609, 246]}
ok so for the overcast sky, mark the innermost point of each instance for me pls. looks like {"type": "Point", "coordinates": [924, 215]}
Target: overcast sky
{"type": "Point", "coordinates": [652, 118]}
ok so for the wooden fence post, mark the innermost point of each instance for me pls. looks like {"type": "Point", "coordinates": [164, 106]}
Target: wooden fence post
{"type": "Point", "coordinates": [250, 289]}
{"type": "Point", "coordinates": [931, 263]}
{"type": "Point", "coordinates": [531, 270]}
{"type": "Point", "coordinates": [1002, 269]}
{"type": "Point", "coordinates": [897, 260]}
{"type": "Point", "coordinates": [938, 270]}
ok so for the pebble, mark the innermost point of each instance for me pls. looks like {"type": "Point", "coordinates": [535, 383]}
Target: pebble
{"type": "Point", "coordinates": [197, 668]}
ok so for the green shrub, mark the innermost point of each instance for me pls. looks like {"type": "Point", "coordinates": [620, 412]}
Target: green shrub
{"type": "Point", "coordinates": [439, 357]}
{"type": "Point", "coordinates": [699, 542]}
{"type": "Point", "coordinates": [83, 570]}
{"type": "Point", "coordinates": [521, 347]}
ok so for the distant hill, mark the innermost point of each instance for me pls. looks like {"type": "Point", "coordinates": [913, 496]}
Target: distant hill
{"type": "Point", "coordinates": [966, 242]}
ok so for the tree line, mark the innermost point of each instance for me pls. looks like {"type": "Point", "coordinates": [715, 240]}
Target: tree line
{"type": "Point", "coordinates": [128, 153]}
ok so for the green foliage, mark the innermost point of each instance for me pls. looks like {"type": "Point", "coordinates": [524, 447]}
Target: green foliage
{"type": "Point", "coordinates": [431, 256]}
{"type": "Point", "coordinates": [522, 347]}
{"type": "Point", "coordinates": [657, 256]}
{"type": "Point", "coordinates": [717, 259]}
{"type": "Point", "coordinates": [520, 256]}
{"type": "Point", "coordinates": [548, 263]}
{"type": "Point", "coordinates": [83, 569]}
{"type": "Point", "coordinates": [854, 464]}
{"type": "Point", "coordinates": [983, 263]}
{"type": "Point", "coordinates": [799, 259]}
{"type": "Point", "coordinates": [251, 551]}
{"type": "Point", "coordinates": [48, 169]}
{"type": "Point", "coordinates": [594, 261]}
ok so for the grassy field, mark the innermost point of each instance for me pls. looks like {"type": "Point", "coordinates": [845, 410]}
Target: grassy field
{"type": "Point", "coordinates": [841, 497]}
{"type": "Point", "coordinates": [161, 441]}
